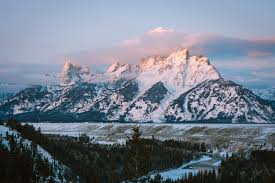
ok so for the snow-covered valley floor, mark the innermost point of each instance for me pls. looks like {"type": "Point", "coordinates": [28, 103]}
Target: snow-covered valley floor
{"type": "Point", "coordinates": [229, 137]}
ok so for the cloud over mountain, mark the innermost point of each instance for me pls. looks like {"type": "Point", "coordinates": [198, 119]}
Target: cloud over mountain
{"type": "Point", "coordinates": [228, 52]}
{"type": "Point", "coordinates": [164, 40]}
{"type": "Point", "coordinates": [249, 61]}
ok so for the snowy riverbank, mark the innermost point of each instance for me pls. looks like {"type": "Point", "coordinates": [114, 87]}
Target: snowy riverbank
{"type": "Point", "coordinates": [205, 163]}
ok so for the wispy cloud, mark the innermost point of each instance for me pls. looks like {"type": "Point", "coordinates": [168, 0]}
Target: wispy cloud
{"type": "Point", "coordinates": [258, 53]}
{"type": "Point", "coordinates": [160, 30]}
{"type": "Point", "coordinates": [242, 60]}
{"type": "Point", "coordinates": [164, 40]}
{"type": "Point", "coordinates": [227, 53]}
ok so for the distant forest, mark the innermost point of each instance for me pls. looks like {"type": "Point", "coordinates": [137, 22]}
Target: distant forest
{"type": "Point", "coordinates": [97, 163]}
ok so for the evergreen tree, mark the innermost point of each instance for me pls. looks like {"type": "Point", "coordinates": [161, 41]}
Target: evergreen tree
{"type": "Point", "coordinates": [136, 156]}
{"type": "Point", "coordinates": [84, 138]}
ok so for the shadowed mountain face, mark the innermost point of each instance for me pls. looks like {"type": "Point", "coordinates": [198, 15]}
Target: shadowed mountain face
{"type": "Point", "coordinates": [175, 88]}
{"type": "Point", "coordinates": [219, 99]}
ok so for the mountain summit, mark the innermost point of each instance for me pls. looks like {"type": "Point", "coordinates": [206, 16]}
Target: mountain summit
{"type": "Point", "coordinates": [73, 74]}
{"type": "Point", "coordinates": [173, 88]}
{"type": "Point", "coordinates": [178, 71]}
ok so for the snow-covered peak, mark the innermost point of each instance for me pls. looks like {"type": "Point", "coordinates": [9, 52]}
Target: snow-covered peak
{"type": "Point", "coordinates": [114, 67]}
{"type": "Point", "coordinates": [150, 62]}
{"type": "Point", "coordinates": [178, 71]}
{"type": "Point", "coordinates": [201, 59]}
{"type": "Point", "coordinates": [178, 56]}
{"type": "Point", "coordinates": [199, 67]}
{"type": "Point", "coordinates": [73, 73]}
{"type": "Point", "coordinates": [176, 87]}
{"type": "Point", "coordinates": [118, 70]}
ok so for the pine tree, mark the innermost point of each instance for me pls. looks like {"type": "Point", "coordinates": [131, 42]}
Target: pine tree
{"type": "Point", "coordinates": [136, 164]}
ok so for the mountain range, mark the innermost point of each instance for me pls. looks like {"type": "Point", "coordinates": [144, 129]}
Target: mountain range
{"type": "Point", "coordinates": [173, 88]}
{"type": "Point", "coordinates": [10, 89]}
{"type": "Point", "coordinates": [266, 93]}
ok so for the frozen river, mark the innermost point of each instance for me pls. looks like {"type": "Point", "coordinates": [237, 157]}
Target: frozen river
{"type": "Point", "coordinates": [205, 163]}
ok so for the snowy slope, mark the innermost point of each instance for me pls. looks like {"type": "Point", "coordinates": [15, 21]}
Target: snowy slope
{"type": "Point", "coordinates": [179, 72]}
{"type": "Point", "coordinates": [220, 99]}
{"type": "Point", "coordinates": [118, 70]}
{"type": "Point", "coordinates": [158, 89]}
{"type": "Point", "coordinates": [59, 168]}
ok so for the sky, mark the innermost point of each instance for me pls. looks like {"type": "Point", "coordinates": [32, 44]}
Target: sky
{"type": "Point", "coordinates": [37, 37]}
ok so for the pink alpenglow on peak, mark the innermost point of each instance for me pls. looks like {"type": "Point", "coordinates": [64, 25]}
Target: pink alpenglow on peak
{"type": "Point", "coordinates": [178, 69]}
{"type": "Point", "coordinates": [179, 72]}
{"type": "Point", "coordinates": [177, 87]}
{"type": "Point", "coordinates": [181, 55]}
{"type": "Point", "coordinates": [114, 67]}
{"type": "Point", "coordinates": [150, 62]}
{"type": "Point", "coordinates": [73, 73]}
{"type": "Point", "coordinates": [118, 70]}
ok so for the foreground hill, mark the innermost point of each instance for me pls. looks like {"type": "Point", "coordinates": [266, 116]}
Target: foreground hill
{"type": "Point", "coordinates": [25, 161]}
{"type": "Point", "coordinates": [173, 88]}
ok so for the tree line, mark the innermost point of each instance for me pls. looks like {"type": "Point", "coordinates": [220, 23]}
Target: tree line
{"type": "Point", "coordinates": [19, 163]}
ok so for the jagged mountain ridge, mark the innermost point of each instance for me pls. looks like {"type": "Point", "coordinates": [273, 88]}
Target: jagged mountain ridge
{"type": "Point", "coordinates": [219, 99]}
{"type": "Point", "coordinates": [158, 89]}
{"type": "Point", "coordinates": [10, 89]}
{"type": "Point", "coordinates": [266, 94]}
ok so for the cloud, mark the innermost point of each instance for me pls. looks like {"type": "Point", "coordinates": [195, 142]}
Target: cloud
{"type": "Point", "coordinates": [248, 71]}
{"type": "Point", "coordinates": [257, 53]}
{"type": "Point", "coordinates": [162, 41]}
{"type": "Point", "coordinates": [129, 42]}
{"type": "Point", "coordinates": [160, 30]}
{"type": "Point", "coordinates": [264, 74]}
{"type": "Point", "coordinates": [28, 73]}
{"type": "Point", "coordinates": [236, 58]}
{"type": "Point", "coordinates": [242, 60]}
{"type": "Point", "coordinates": [158, 41]}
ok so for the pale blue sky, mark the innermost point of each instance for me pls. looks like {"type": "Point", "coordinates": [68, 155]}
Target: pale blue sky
{"type": "Point", "coordinates": [36, 31]}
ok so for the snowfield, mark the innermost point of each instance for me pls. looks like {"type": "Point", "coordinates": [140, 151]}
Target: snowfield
{"type": "Point", "coordinates": [229, 137]}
